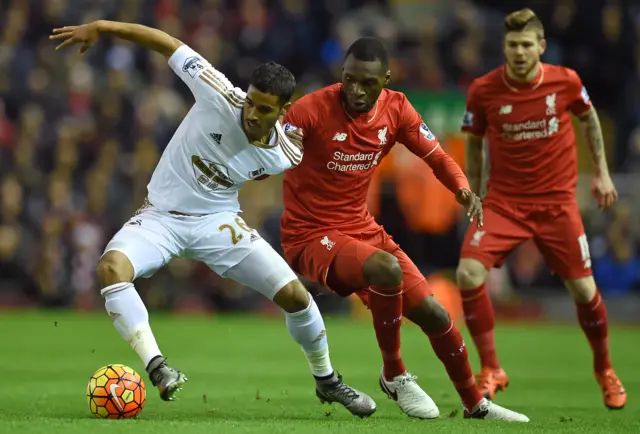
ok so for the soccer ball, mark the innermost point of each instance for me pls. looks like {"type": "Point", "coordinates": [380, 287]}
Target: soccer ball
{"type": "Point", "coordinates": [116, 392]}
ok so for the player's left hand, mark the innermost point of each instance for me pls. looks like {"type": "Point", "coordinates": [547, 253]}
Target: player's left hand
{"type": "Point", "coordinates": [296, 136]}
{"type": "Point", "coordinates": [603, 190]}
{"type": "Point", "coordinates": [472, 204]}
{"type": "Point", "coordinates": [86, 35]}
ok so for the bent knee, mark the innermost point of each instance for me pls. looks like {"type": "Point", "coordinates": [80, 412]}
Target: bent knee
{"type": "Point", "coordinates": [293, 297]}
{"type": "Point", "coordinates": [114, 267]}
{"type": "Point", "coordinates": [470, 274]}
{"type": "Point", "coordinates": [383, 270]}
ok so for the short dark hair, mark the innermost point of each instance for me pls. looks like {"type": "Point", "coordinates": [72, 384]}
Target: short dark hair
{"type": "Point", "coordinates": [369, 49]}
{"type": "Point", "coordinates": [274, 79]}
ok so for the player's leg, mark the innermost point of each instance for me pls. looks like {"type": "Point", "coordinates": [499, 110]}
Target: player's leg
{"type": "Point", "coordinates": [482, 249]}
{"type": "Point", "coordinates": [139, 249]}
{"type": "Point", "coordinates": [422, 308]}
{"type": "Point", "coordinates": [252, 262]}
{"type": "Point", "coordinates": [356, 266]}
{"type": "Point", "coordinates": [564, 244]}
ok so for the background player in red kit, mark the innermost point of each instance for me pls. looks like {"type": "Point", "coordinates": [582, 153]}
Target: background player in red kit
{"type": "Point", "coordinates": [329, 236]}
{"type": "Point", "coordinates": [524, 110]}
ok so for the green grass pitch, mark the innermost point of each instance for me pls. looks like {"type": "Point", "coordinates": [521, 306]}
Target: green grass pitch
{"type": "Point", "coordinates": [247, 376]}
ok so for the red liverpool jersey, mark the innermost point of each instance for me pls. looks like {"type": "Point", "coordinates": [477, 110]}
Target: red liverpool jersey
{"type": "Point", "coordinates": [329, 188]}
{"type": "Point", "coordinates": [532, 146]}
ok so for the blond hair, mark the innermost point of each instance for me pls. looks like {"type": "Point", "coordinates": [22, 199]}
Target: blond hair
{"type": "Point", "coordinates": [523, 20]}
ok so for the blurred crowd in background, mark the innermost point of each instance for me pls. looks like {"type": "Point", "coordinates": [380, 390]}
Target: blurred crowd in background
{"type": "Point", "coordinates": [80, 136]}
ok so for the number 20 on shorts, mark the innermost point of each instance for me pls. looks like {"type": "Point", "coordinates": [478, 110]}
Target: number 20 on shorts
{"type": "Point", "coordinates": [235, 236]}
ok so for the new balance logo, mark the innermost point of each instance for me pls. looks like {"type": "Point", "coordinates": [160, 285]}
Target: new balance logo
{"type": "Point", "coordinates": [327, 242]}
{"type": "Point", "coordinates": [340, 137]}
{"type": "Point", "coordinates": [217, 137]}
{"type": "Point", "coordinates": [506, 109]}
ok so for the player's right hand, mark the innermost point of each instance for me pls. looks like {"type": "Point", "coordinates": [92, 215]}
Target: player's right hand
{"type": "Point", "coordinates": [86, 35]}
{"type": "Point", "coordinates": [472, 204]}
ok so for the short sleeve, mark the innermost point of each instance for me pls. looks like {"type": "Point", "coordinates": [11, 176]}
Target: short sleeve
{"type": "Point", "coordinates": [414, 133]}
{"type": "Point", "coordinates": [204, 81]}
{"type": "Point", "coordinates": [580, 103]}
{"type": "Point", "coordinates": [292, 154]}
{"type": "Point", "coordinates": [301, 115]}
{"type": "Point", "coordinates": [474, 120]}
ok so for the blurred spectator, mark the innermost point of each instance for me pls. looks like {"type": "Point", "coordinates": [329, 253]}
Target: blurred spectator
{"type": "Point", "coordinates": [618, 270]}
{"type": "Point", "coordinates": [80, 136]}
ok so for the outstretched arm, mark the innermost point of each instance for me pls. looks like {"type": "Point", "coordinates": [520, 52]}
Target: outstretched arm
{"type": "Point", "coordinates": [474, 162]}
{"type": "Point", "coordinates": [87, 35]}
{"type": "Point", "coordinates": [204, 81]}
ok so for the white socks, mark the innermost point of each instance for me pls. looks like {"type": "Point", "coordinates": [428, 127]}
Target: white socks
{"type": "Point", "coordinates": [307, 328]}
{"type": "Point", "coordinates": [131, 319]}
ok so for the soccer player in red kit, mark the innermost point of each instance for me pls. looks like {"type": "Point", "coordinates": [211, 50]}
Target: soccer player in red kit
{"type": "Point", "coordinates": [524, 111]}
{"type": "Point", "coordinates": [329, 236]}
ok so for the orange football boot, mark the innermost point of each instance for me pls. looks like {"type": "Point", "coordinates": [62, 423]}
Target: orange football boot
{"type": "Point", "coordinates": [490, 381]}
{"type": "Point", "coordinates": [615, 397]}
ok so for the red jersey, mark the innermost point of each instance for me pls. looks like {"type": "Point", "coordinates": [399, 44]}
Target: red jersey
{"type": "Point", "coordinates": [532, 146]}
{"type": "Point", "coordinates": [329, 188]}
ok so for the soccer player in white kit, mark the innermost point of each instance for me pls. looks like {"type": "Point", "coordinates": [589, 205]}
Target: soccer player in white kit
{"type": "Point", "coordinates": [192, 210]}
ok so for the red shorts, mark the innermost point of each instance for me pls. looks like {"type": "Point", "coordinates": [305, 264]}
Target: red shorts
{"type": "Point", "coordinates": [335, 260]}
{"type": "Point", "coordinates": [556, 229]}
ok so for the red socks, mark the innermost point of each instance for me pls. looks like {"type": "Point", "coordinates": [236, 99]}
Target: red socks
{"type": "Point", "coordinates": [593, 320]}
{"type": "Point", "coordinates": [478, 313]}
{"type": "Point", "coordinates": [451, 350]}
{"type": "Point", "coordinates": [386, 309]}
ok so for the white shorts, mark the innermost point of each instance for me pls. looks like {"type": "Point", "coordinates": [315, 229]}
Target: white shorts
{"type": "Point", "coordinates": [223, 241]}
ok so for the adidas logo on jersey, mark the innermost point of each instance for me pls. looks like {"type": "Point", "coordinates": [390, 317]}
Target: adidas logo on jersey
{"type": "Point", "coordinates": [217, 137]}
{"type": "Point", "coordinates": [253, 237]}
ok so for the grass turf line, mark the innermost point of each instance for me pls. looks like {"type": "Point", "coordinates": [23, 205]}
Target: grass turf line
{"type": "Point", "coordinates": [246, 375]}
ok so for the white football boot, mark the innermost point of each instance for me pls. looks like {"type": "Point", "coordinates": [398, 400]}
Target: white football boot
{"type": "Point", "coordinates": [488, 410]}
{"type": "Point", "coordinates": [411, 399]}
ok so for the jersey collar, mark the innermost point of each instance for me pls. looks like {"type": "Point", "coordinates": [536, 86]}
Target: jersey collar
{"type": "Point", "coordinates": [518, 86]}
{"type": "Point", "coordinates": [365, 117]}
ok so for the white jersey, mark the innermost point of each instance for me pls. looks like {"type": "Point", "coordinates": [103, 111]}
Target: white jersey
{"type": "Point", "coordinates": [209, 157]}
